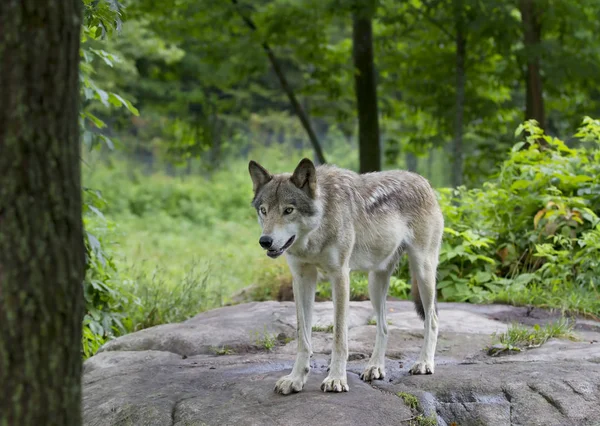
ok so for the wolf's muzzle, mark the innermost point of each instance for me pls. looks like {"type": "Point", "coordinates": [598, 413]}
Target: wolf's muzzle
{"type": "Point", "coordinates": [274, 253]}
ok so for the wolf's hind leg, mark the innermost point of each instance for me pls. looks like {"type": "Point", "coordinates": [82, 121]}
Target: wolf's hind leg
{"type": "Point", "coordinates": [423, 265]}
{"type": "Point", "coordinates": [379, 282]}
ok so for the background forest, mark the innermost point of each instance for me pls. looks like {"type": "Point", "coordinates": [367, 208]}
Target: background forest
{"type": "Point", "coordinates": [493, 101]}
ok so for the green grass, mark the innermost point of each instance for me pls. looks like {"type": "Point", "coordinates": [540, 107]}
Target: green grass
{"type": "Point", "coordinates": [419, 419]}
{"type": "Point", "coordinates": [179, 246]}
{"type": "Point", "coordinates": [224, 350]}
{"type": "Point", "coordinates": [327, 329]}
{"type": "Point", "coordinates": [265, 340]}
{"type": "Point", "coordinates": [519, 337]}
{"type": "Point", "coordinates": [410, 400]}
{"type": "Point", "coordinates": [373, 321]}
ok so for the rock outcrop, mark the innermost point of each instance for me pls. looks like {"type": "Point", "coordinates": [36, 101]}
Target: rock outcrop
{"type": "Point", "coordinates": [220, 367]}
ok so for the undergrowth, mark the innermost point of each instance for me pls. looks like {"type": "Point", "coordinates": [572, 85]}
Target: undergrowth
{"type": "Point", "coordinates": [163, 248]}
{"type": "Point", "coordinates": [532, 234]}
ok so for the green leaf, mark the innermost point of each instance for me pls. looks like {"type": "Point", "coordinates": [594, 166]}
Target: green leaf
{"type": "Point", "coordinates": [119, 101]}
{"type": "Point", "coordinates": [97, 213]}
{"type": "Point", "coordinates": [103, 96]}
{"type": "Point", "coordinates": [97, 122]}
{"type": "Point", "coordinates": [517, 146]}
{"type": "Point", "coordinates": [520, 184]}
{"type": "Point", "coordinates": [518, 131]}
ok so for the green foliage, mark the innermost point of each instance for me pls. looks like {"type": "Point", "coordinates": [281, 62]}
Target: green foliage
{"type": "Point", "coordinates": [105, 302]}
{"type": "Point", "coordinates": [265, 340]}
{"type": "Point", "coordinates": [160, 301]}
{"type": "Point", "coordinates": [205, 89]}
{"type": "Point", "coordinates": [519, 337]}
{"type": "Point", "coordinates": [101, 18]}
{"type": "Point", "coordinates": [531, 235]}
{"type": "Point", "coordinates": [422, 420]}
{"type": "Point", "coordinates": [410, 400]}
{"type": "Point", "coordinates": [413, 403]}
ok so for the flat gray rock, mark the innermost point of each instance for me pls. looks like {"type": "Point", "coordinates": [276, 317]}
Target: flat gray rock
{"type": "Point", "coordinates": [220, 367]}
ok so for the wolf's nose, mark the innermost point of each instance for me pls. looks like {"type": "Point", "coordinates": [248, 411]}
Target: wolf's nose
{"type": "Point", "coordinates": [265, 242]}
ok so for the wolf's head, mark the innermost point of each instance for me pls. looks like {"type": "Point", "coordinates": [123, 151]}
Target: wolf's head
{"type": "Point", "coordinates": [286, 205]}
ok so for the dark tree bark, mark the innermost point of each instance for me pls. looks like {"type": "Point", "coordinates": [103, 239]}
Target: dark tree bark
{"type": "Point", "coordinates": [532, 32]}
{"type": "Point", "coordinates": [430, 158]}
{"type": "Point", "coordinates": [42, 256]}
{"type": "Point", "coordinates": [461, 53]}
{"type": "Point", "coordinates": [288, 90]}
{"type": "Point", "coordinates": [411, 162]}
{"type": "Point", "coordinates": [366, 89]}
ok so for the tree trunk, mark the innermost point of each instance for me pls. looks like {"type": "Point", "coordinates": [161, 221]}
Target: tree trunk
{"type": "Point", "coordinates": [366, 90]}
{"type": "Point", "coordinates": [430, 157]}
{"type": "Point", "coordinates": [461, 53]}
{"type": "Point", "coordinates": [532, 31]}
{"type": "Point", "coordinates": [411, 162]}
{"type": "Point", "coordinates": [42, 257]}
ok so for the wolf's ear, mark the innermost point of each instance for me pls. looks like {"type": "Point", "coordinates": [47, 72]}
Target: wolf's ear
{"type": "Point", "coordinates": [305, 177]}
{"type": "Point", "coordinates": [260, 176]}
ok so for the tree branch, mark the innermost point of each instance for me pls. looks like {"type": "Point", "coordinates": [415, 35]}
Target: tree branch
{"type": "Point", "coordinates": [433, 21]}
{"type": "Point", "coordinates": [286, 88]}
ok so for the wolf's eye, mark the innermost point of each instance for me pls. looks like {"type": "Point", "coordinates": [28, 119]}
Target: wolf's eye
{"type": "Point", "coordinates": [289, 210]}
{"type": "Point", "coordinates": [263, 210]}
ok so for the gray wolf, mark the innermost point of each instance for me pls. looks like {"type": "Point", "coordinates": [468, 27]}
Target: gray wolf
{"type": "Point", "coordinates": [334, 220]}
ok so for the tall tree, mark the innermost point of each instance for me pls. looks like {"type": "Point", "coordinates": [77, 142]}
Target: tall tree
{"type": "Point", "coordinates": [41, 238]}
{"type": "Point", "coordinates": [461, 54]}
{"type": "Point", "coordinates": [366, 87]}
{"type": "Point", "coordinates": [532, 32]}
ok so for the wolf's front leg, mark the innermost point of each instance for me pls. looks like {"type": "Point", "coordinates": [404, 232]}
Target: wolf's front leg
{"type": "Point", "coordinates": [304, 285]}
{"type": "Point", "coordinates": [337, 381]}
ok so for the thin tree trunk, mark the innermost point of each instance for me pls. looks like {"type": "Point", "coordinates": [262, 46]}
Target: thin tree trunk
{"type": "Point", "coordinates": [287, 89]}
{"type": "Point", "coordinates": [42, 257]}
{"type": "Point", "coordinates": [411, 162]}
{"type": "Point", "coordinates": [216, 140]}
{"type": "Point", "coordinates": [366, 90]}
{"type": "Point", "coordinates": [430, 157]}
{"type": "Point", "coordinates": [461, 53]}
{"type": "Point", "coordinates": [532, 31]}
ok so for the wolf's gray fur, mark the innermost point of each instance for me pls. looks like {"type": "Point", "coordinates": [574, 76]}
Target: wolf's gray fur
{"type": "Point", "coordinates": [335, 220]}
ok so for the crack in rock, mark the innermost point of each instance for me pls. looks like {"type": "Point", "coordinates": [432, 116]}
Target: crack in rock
{"type": "Point", "coordinates": [549, 399]}
{"type": "Point", "coordinates": [586, 396]}
{"type": "Point", "coordinates": [509, 398]}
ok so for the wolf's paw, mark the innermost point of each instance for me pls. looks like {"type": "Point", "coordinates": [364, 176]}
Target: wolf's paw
{"type": "Point", "coordinates": [289, 384]}
{"type": "Point", "coordinates": [422, 367]}
{"type": "Point", "coordinates": [335, 384]}
{"type": "Point", "coordinates": [373, 372]}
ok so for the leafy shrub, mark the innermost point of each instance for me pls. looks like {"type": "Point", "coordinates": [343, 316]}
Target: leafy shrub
{"type": "Point", "coordinates": [105, 303]}
{"type": "Point", "coordinates": [532, 234]}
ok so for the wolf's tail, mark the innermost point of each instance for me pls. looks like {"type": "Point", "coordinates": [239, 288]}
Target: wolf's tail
{"type": "Point", "coordinates": [416, 297]}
